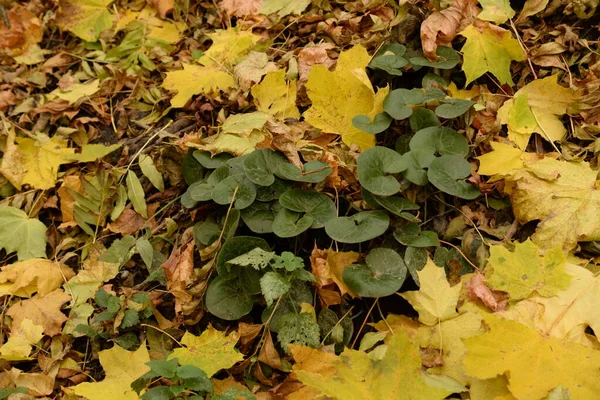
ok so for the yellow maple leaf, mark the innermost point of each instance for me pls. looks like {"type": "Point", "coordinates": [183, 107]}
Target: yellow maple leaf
{"type": "Point", "coordinates": [155, 28]}
{"type": "Point", "coordinates": [562, 195]}
{"type": "Point", "coordinates": [497, 11]}
{"type": "Point", "coordinates": [91, 275]}
{"type": "Point", "coordinates": [41, 310]}
{"type": "Point", "coordinates": [76, 91]}
{"type": "Point", "coordinates": [339, 96]}
{"type": "Point", "coordinates": [535, 364]}
{"type": "Point", "coordinates": [536, 108]}
{"type": "Point", "coordinates": [121, 367]}
{"type": "Point", "coordinates": [22, 337]}
{"type": "Point", "coordinates": [525, 271]}
{"type": "Point", "coordinates": [24, 278]}
{"type": "Point", "coordinates": [356, 375]}
{"type": "Point", "coordinates": [211, 351]}
{"type": "Point", "coordinates": [228, 47]}
{"type": "Point", "coordinates": [195, 79]}
{"type": "Point", "coordinates": [86, 19]}
{"type": "Point", "coordinates": [435, 300]}
{"type": "Point", "coordinates": [489, 48]}
{"type": "Point", "coordinates": [275, 96]}
{"type": "Point", "coordinates": [504, 159]}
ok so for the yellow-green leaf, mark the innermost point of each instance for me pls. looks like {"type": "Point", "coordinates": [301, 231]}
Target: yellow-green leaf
{"type": "Point", "coordinates": [283, 7]}
{"type": "Point", "coordinates": [525, 271]}
{"type": "Point", "coordinates": [497, 11]}
{"type": "Point", "coordinates": [92, 152]}
{"type": "Point", "coordinates": [356, 375]}
{"type": "Point", "coordinates": [535, 364]}
{"type": "Point", "coordinates": [77, 91]}
{"type": "Point", "coordinates": [228, 46]}
{"type": "Point", "coordinates": [243, 124]}
{"type": "Point", "coordinates": [211, 351]}
{"type": "Point", "coordinates": [121, 367]}
{"type": "Point", "coordinates": [149, 170]}
{"type": "Point", "coordinates": [22, 339]}
{"type": "Point", "coordinates": [40, 275]}
{"type": "Point", "coordinates": [232, 143]}
{"type": "Point", "coordinates": [276, 96]}
{"type": "Point", "coordinates": [86, 19]}
{"type": "Point", "coordinates": [18, 232]}
{"type": "Point", "coordinates": [195, 79]}
{"type": "Point", "coordinates": [489, 48]}
{"type": "Point", "coordinates": [502, 159]}
{"type": "Point", "coordinates": [331, 109]}
{"type": "Point", "coordinates": [136, 194]}
{"type": "Point", "coordinates": [435, 300]}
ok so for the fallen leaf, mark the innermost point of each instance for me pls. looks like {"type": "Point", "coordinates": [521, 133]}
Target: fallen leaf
{"type": "Point", "coordinates": [251, 69]}
{"type": "Point", "coordinates": [440, 28]}
{"type": "Point", "coordinates": [355, 375]}
{"type": "Point", "coordinates": [478, 289]}
{"type": "Point", "coordinates": [91, 275]}
{"type": "Point", "coordinates": [128, 223]}
{"type": "Point", "coordinates": [525, 271]}
{"type": "Point", "coordinates": [23, 336]}
{"type": "Point", "coordinates": [77, 91]}
{"type": "Point", "coordinates": [496, 11]}
{"type": "Point", "coordinates": [149, 170]}
{"type": "Point", "coordinates": [435, 300]}
{"type": "Point", "coordinates": [276, 96]}
{"type": "Point", "coordinates": [163, 7]}
{"type": "Point", "coordinates": [534, 364]}
{"type": "Point", "coordinates": [41, 310]}
{"type": "Point", "coordinates": [195, 79]}
{"type": "Point", "coordinates": [121, 367]}
{"type": "Point", "coordinates": [232, 143]}
{"type": "Point", "coordinates": [92, 152]}
{"type": "Point", "coordinates": [532, 7]}
{"type": "Point", "coordinates": [503, 158]}
{"type": "Point", "coordinates": [18, 232]}
{"type": "Point", "coordinates": [229, 46]}
{"type": "Point", "coordinates": [240, 8]}
{"type": "Point", "coordinates": [23, 32]}
{"type": "Point", "coordinates": [86, 19]}
{"type": "Point", "coordinates": [489, 48]}
{"type": "Point", "coordinates": [136, 194]}
{"type": "Point", "coordinates": [329, 92]}
{"type": "Point", "coordinates": [211, 351]}
{"type": "Point", "coordinates": [283, 7]}
{"type": "Point", "coordinates": [179, 272]}
{"type": "Point", "coordinates": [40, 275]}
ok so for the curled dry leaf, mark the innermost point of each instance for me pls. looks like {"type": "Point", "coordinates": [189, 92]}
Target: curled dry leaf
{"type": "Point", "coordinates": [241, 8]}
{"type": "Point", "coordinates": [179, 270]}
{"type": "Point", "coordinates": [163, 7]}
{"type": "Point", "coordinates": [41, 310]}
{"type": "Point", "coordinates": [478, 289]}
{"type": "Point", "coordinates": [25, 30]}
{"type": "Point", "coordinates": [440, 28]}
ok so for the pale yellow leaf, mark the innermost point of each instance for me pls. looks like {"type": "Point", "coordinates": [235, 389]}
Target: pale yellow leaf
{"type": "Point", "coordinates": [41, 310]}
{"type": "Point", "coordinates": [92, 152]}
{"type": "Point", "coordinates": [276, 96]}
{"type": "Point", "coordinates": [23, 336]}
{"type": "Point", "coordinates": [228, 46]}
{"type": "Point", "coordinates": [40, 275]}
{"type": "Point", "coordinates": [77, 91]}
{"type": "Point", "coordinates": [195, 79]}
{"type": "Point", "coordinates": [86, 19]}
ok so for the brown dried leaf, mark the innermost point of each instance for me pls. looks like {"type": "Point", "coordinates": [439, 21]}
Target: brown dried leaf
{"type": "Point", "coordinates": [179, 269]}
{"type": "Point", "coordinates": [268, 354]}
{"type": "Point", "coordinates": [241, 8]}
{"type": "Point", "coordinates": [25, 30]}
{"type": "Point", "coordinates": [440, 28]}
{"type": "Point", "coordinates": [163, 7]}
{"type": "Point", "coordinates": [41, 310]}
{"type": "Point", "coordinates": [478, 289]}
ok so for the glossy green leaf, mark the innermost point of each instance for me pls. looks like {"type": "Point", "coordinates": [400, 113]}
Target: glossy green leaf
{"type": "Point", "coordinates": [374, 167]}
{"type": "Point", "coordinates": [440, 140]}
{"type": "Point", "coordinates": [316, 205]}
{"type": "Point", "coordinates": [447, 173]}
{"type": "Point", "coordinates": [358, 228]}
{"type": "Point", "coordinates": [411, 235]}
{"type": "Point", "coordinates": [422, 118]}
{"type": "Point", "coordinates": [290, 223]}
{"type": "Point", "coordinates": [452, 108]}
{"type": "Point", "coordinates": [226, 299]}
{"type": "Point", "coordinates": [383, 274]}
{"type": "Point", "coordinates": [243, 188]}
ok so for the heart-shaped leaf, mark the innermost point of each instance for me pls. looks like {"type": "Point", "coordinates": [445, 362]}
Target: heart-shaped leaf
{"type": "Point", "coordinates": [383, 274]}
{"type": "Point", "coordinates": [313, 172]}
{"type": "Point", "coordinates": [243, 188]}
{"type": "Point", "coordinates": [397, 101]}
{"type": "Point", "coordinates": [226, 299]}
{"type": "Point", "coordinates": [236, 246]}
{"type": "Point", "coordinates": [211, 162]}
{"type": "Point", "coordinates": [452, 108]}
{"type": "Point", "coordinates": [273, 192]}
{"type": "Point", "coordinates": [440, 140]}
{"type": "Point", "coordinates": [358, 228]}
{"type": "Point", "coordinates": [374, 165]}
{"type": "Point", "coordinates": [397, 205]}
{"type": "Point", "coordinates": [417, 161]}
{"type": "Point", "coordinates": [411, 235]}
{"type": "Point", "coordinates": [379, 124]}
{"type": "Point", "coordinates": [317, 205]}
{"type": "Point", "coordinates": [259, 217]}
{"type": "Point", "coordinates": [415, 259]}
{"type": "Point", "coordinates": [260, 165]}
{"type": "Point", "coordinates": [389, 59]}
{"type": "Point", "coordinates": [447, 173]}
{"type": "Point", "coordinates": [290, 223]}
{"type": "Point", "coordinates": [422, 118]}
{"type": "Point", "coordinates": [200, 191]}
{"type": "Point", "coordinates": [448, 58]}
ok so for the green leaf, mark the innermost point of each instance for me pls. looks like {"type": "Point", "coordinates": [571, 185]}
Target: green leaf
{"type": "Point", "coordinates": [283, 7]}
{"type": "Point", "coordinates": [411, 235]}
{"type": "Point", "coordinates": [312, 172]}
{"type": "Point", "coordinates": [382, 276]}
{"type": "Point", "coordinates": [422, 118]}
{"type": "Point", "coordinates": [150, 172]}
{"type": "Point", "coordinates": [191, 168]}
{"type": "Point", "coordinates": [260, 165]}
{"type": "Point", "coordinates": [234, 247]}
{"type": "Point", "coordinates": [226, 299]}
{"type": "Point", "coordinates": [289, 261]}
{"type": "Point", "coordinates": [452, 108]}
{"type": "Point", "coordinates": [273, 192]}
{"type": "Point", "coordinates": [18, 232]}
{"type": "Point", "coordinates": [206, 232]}
{"type": "Point", "coordinates": [256, 258]}
{"type": "Point", "coordinates": [244, 189]}
{"type": "Point", "coordinates": [158, 393]}
{"type": "Point", "coordinates": [259, 217]}
{"type": "Point", "coordinates": [200, 191]}
{"type": "Point", "coordinates": [374, 165]}
{"type": "Point", "coordinates": [379, 124]}
{"type": "Point", "coordinates": [135, 192]}
{"type": "Point", "coordinates": [120, 251]}
{"type": "Point", "coordinates": [316, 205]}
{"type": "Point", "coordinates": [440, 140]}
{"type": "Point", "coordinates": [358, 228]}
{"type": "Point", "coordinates": [290, 223]}
{"type": "Point", "coordinates": [119, 203]}
{"type": "Point", "coordinates": [397, 101]}
{"type": "Point", "coordinates": [389, 59]}
{"type": "Point", "coordinates": [415, 259]}
{"type": "Point", "coordinates": [211, 162]}
{"type": "Point", "coordinates": [448, 58]}
{"type": "Point", "coordinates": [396, 205]}
{"type": "Point", "coordinates": [245, 123]}
{"type": "Point", "coordinates": [447, 173]}
{"type": "Point", "coordinates": [298, 329]}
{"type": "Point", "coordinates": [145, 250]}
{"type": "Point", "coordinates": [274, 285]}
{"type": "Point", "coordinates": [417, 161]}
{"type": "Point", "coordinates": [130, 318]}
{"type": "Point", "coordinates": [194, 378]}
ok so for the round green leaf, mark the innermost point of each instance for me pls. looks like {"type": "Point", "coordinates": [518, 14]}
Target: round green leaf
{"type": "Point", "coordinates": [452, 108]}
{"type": "Point", "coordinates": [200, 191]}
{"type": "Point", "coordinates": [415, 259]}
{"type": "Point", "coordinates": [422, 118]}
{"type": "Point", "coordinates": [269, 193]}
{"type": "Point", "coordinates": [218, 175]}
{"type": "Point", "coordinates": [192, 170]}
{"type": "Point", "coordinates": [358, 228]}
{"type": "Point", "coordinates": [447, 173]}
{"type": "Point", "coordinates": [373, 166]}
{"type": "Point", "coordinates": [417, 161]}
{"type": "Point", "coordinates": [259, 217]}
{"type": "Point", "coordinates": [244, 196]}
{"type": "Point", "coordinates": [313, 172]}
{"type": "Point", "coordinates": [448, 58]}
{"type": "Point", "coordinates": [234, 247]}
{"type": "Point", "coordinates": [317, 205]}
{"type": "Point", "coordinates": [431, 80]}
{"type": "Point", "coordinates": [260, 165]}
{"type": "Point", "coordinates": [440, 140]}
{"type": "Point", "coordinates": [397, 101]}
{"type": "Point", "coordinates": [379, 124]}
{"type": "Point", "coordinates": [396, 205]}
{"type": "Point", "coordinates": [226, 299]}
{"type": "Point", "coordinates": [290, 223]}
{"type": "Point", "coordinates": [382, 276]}
{"type": "Point", "coordinates": [211, 162]}
{"type": "Point", "coordinates": [411, 235]}
{"type": "Point", "coordinates": [206, 232]}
